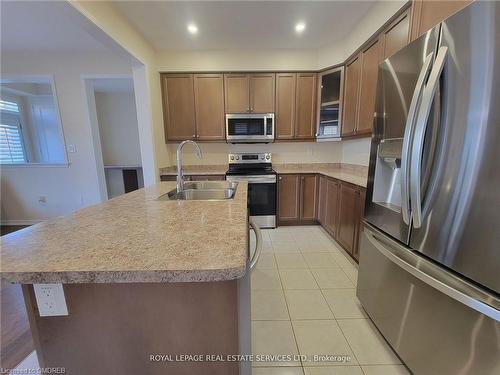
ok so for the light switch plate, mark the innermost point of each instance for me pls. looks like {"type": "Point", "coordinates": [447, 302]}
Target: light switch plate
{"type": "Point", "coordinates": [50, 299]}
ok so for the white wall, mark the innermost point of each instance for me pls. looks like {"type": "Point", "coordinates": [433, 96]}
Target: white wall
{"type": "Point", "coordinates": [66, 188]}
{"type": "Point", "coordinates": [298, 152]}
{"type": "Point", "coordinates": [118, 130]}
{"type": "Point", "coordinates": [356, 151]}
{"type": "Point", "coordinates": [379, 14]}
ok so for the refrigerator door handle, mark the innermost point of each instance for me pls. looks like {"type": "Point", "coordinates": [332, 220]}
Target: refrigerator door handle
{"type": "Point", "coordinates": [408, 138]}
{"type": "Point", "coordinates": [436, 277]}
{"type": "Point", "coordinates": [420, 130]}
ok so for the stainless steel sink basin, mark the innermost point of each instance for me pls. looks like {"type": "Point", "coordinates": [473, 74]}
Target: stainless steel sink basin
{"type": "Point", "coordinates": [203, 191]}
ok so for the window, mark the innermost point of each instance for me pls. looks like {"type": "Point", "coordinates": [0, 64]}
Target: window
{"type": "Point", "coordinates": [11, 140]}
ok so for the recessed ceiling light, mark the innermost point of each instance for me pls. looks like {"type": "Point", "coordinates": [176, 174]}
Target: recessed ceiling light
{"type": "Point", "coordinates": [300, 27]}
{"type": "Point", "coordinates": [192, 28]}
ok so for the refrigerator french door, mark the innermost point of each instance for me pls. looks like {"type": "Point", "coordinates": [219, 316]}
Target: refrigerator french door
{"type": "Point", "coordinates": [429, 274]}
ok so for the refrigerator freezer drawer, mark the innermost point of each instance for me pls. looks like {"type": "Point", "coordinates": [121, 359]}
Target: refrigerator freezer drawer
{"type": "Point", "coordinates": [436, 322]}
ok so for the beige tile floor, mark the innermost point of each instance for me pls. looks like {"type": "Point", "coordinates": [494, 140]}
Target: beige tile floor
{"type": "Point", "coordinates": [304, 302]}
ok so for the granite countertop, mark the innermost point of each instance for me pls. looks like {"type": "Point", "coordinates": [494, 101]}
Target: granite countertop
{"type": "Point", "coordinates": [134, 238]}
{"type": "Point", "coordinates": [354, 174]}
{"type": "Point", "coordinates": [220, 169]}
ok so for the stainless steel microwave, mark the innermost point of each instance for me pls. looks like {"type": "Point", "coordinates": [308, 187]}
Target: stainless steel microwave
{"type": "Point", "coordinates": [250, 128]}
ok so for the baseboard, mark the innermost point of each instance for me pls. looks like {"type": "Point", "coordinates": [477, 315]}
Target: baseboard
{"type": "Point", "coordinates": [20, 222]}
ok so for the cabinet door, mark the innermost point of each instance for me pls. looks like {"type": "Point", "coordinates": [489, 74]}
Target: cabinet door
{"type": "Point", "coordinates": [306, 106]}
{"type": "Point", "coordinates": [370, 59]}
{"type": "Point", "coordinates": [396, 36]}
{"type": "Point", "coordinates": [360, 211]}
{"type": "Point", "coordinates": [347, 216]}
{"type": "Point", "coordinates": [288, 198]}
{"type": "Point", "coordinates": [332, 207]}
{"type": "Point", "coordinates": [321, 211]}
{"type": "Point", "coordinates": [209, 104]}
{"type": "Point", "coordinates": [308, 197]}
{"type": "Point", "coordinates": [236, 93]}
{"type": "Point", "coordinates": [351, 95]}
{"type": "Point", "coordinates": [428, 13]}
{"type": "Point", "coordinates": [262, 93]}
{"type": "Point", "coordinates": [285, 105]}
{"type": "Point", "coordinates": [178, 106]}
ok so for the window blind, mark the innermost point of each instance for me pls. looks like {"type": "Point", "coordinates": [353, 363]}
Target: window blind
{"type": "Point", "coordinates": [11, 142]}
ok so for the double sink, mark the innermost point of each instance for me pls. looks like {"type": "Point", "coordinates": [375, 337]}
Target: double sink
{"type": "Point", "coordinates": [203, 190]}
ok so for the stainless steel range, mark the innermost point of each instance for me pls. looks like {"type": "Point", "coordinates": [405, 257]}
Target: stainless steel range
{"type": "Point", "coordinates": [257, 170]}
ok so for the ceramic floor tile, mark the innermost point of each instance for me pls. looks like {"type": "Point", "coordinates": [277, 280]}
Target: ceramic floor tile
{"type": "Point", "coordinates": [298, 279]}
{"type": "Point", "coordinates": [385, 370]}
{"type": "Point", "coordinates": [277, 371]}
{"type": "Point", "coordinates": [367, 343]}
{"type": "Point", "coordinates": [320, 260]}
{"type": "Point", "coordinates": [269, 305]}
{"type": "Point", "coordinates": [307, 304]}
{"type": "Point", "coordinates": [267, 247]}
{"type": "Point", "coordinates": [290, 261]}
{"type": "Point", "coordinates": [329, 278]}
{"type": "Point", "coordinates": [280, 235]}
{"type": "Point", "coordinates": [322, 338]}
{"type": "Point", "coordinates": [265, 279]}
{"type": "Point", "coordinates": [285, 247]}
{"type": "Point", "coordinates": [334, 370]}
{"type": "Point", "coordinates": [315, 246]}
{"type": "Point", "coordinates": [344, 303]}
{"type": "Point", "coordinates": [344, 260]}
{"type": "Point", "coordinates": [273, 338]}
{"type": "Point", "coordinates": [352, 274]}
{"type": "Point", "coordinates": [266, 261]}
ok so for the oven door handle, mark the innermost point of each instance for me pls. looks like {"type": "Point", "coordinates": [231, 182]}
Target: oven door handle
{"type": "Point", "coordinates": [253, 179]}
{"type": "Point", "coordinates": [258, 244]}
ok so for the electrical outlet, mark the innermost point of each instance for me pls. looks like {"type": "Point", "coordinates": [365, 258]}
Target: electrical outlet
{"type": "Point", "coordinates": [50, 299]}
{"type": "Point", "coordinates": [42, 199]}
{"type": "Point", "coordinates": [71, 149]}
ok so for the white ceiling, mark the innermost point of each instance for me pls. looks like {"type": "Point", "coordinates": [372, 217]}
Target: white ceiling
{"type": "Point", "coordinates": [42, 25]}
{"type": "Point", "coordinates": [243, 24]}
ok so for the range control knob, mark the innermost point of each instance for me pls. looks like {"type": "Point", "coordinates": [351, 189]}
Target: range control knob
{"type": "Point", "coordinates": [232, 157]}
{"type": "Point", "coordinates": [237, 158]}
{"type": "Point", "coordinates": [268, 157]}
{"type": "Point", "coordinates": [262, 157]}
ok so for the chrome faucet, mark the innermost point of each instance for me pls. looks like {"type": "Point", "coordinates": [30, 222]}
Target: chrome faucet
{"type": "Point", "coordinates": [180, 175]}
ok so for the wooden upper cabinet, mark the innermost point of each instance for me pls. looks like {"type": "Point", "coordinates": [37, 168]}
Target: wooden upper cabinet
{"type": "Point", "coordinates": [396, 36]}
{"type": "Point", "coordinates": [348, 215]}
{"type": "Point", "coordinates": [178, 106]}
{"type": "Point", "coordinates": [288, 198]}
{"type": "Point", "coordinates": [262, 92]}
{"type": "Point", "coordinates": [209, 104]}
{"type": "Point", "coordinates": [285, 105]}
{"type": "Point", "coordinates": [308, 197]}
{"type": "Point", "coordinates": [351, 96]}
{"type": "Point", "coordinates": [370, 58]}
{"type": "Point", "coordinates": [305, 112]}
{"type": "Point", "coordinates": [237, 93]}
{"type": "Point", "coordinates": [332, 206]}
{"type": "Point", "coordinates": [428, 13]}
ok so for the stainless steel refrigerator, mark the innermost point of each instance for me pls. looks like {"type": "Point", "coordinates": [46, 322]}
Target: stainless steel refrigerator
{"type": "Point", "coordinates": [429, 269]}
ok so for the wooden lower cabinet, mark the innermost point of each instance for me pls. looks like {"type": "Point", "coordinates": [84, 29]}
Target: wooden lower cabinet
{"type": "Point", "coordinates": [288, 198]}
{"type": "Point", "coordinates": [308, 198]}
{"type": "Point", "coordinates": [332, 207]}
{"type": "Point", "coordinates": [338, 206]}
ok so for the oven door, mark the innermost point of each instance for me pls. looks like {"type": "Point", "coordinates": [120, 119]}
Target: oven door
{"type": "Point", "coordinates": [261, 198]}
{"type": "Point", "coordinates": [250, 128]}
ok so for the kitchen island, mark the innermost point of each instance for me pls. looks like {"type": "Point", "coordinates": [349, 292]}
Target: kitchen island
{"type": "Point", "coordinates": [145, 282]}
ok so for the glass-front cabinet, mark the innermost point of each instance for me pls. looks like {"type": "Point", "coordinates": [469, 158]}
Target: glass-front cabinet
{"type": "Point", "coordinates": [329, 116]}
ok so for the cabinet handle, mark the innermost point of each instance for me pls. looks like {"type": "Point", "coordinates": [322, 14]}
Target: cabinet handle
{"type": "Point", "coordinates": [280, 178]}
